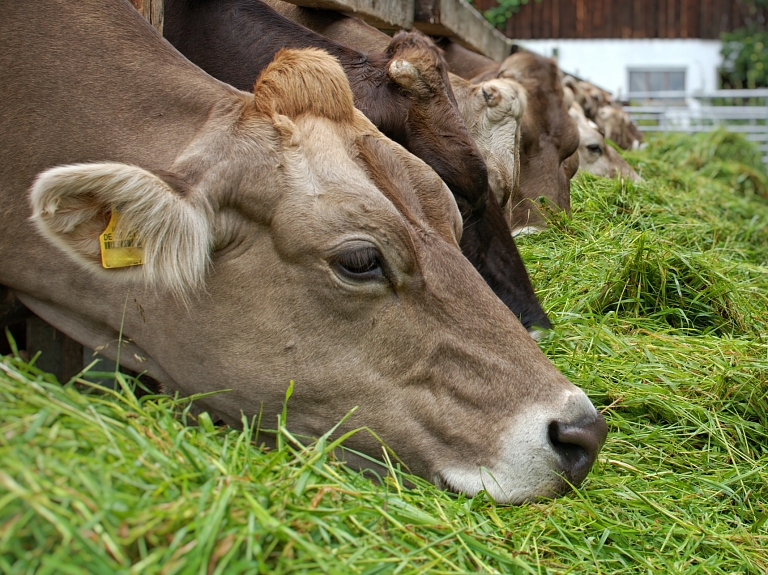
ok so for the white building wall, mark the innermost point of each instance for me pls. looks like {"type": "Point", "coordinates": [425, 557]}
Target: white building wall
{"type": "Point", "coordinates": [606, 62]}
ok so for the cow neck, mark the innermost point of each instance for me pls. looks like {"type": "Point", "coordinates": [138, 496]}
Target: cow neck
{"type": "Point", "coordinates": [110, 79]}
{"type": "Point", "coordinates": [466, 63]}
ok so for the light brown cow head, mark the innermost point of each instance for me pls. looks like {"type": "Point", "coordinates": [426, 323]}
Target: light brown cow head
{"type": "Point", "coordinates": [550, 139]}
{"type": "Point", "coordinates": [308, 247]}
{"type": "Point", "coordinates": [493, 111]}
{"type": "Point", "coordinates": [615, 124]}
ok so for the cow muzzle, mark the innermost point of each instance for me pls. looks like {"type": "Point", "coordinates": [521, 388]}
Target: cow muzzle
{"type": "Point", "coordinates": [577, 445]}
{"type": "Point", "coordinates": [542, 453]}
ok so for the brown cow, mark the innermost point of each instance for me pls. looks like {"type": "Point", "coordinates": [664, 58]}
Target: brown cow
{"type": "Point", "coordinates": [587, 95]}
{"type": "Point", "coordinates": [549, 137]}
{"type": "Point", "coordinates": [616, 125]}
{"type": "Point", "coordinates": [283, 237]}
{"type": "Point", "coordinates": [403, 88]}
{"type": "Point", "coordinates": [595, 155]}
{"type": "Point", "coordinates": [550, 140]}
{"type": "Point", "coordinates": [611, 118]}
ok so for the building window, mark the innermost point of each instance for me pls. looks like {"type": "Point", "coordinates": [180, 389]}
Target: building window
{"type": "Point", "coordinates": [657, 80]}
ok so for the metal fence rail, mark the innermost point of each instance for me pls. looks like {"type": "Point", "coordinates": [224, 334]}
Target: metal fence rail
{"type": "Point", "coordinates": [744, 111]}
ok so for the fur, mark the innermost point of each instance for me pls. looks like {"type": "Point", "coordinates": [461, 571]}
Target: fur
{"type": "Point", "coordinates": [71, 206]}
{"type": "Point", "coordinates": [304, 82]}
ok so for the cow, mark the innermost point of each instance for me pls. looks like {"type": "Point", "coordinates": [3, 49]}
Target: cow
{"type": "Point", "coordinates": [493, 111]}
{"type": "Point", "coordinates": [550, 138]}
{"type": "Point", "coordinates": [587, 95]}
{"type": "Point", "coordinates": [402, 88]}
{"type": "Point", "coordinates": [616, 125]}
{"type": "Point", "coordinates": [610, 117]}
{"type": "Point", "coordinates": [270, 236]}
{"type": "Point", "coordinates": [595, 155]}
{"type": "Point", "coordinates": [549, 143]}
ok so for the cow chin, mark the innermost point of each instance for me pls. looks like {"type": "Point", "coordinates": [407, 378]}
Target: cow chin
{"type": "Point", "coordinates": [532, 462]}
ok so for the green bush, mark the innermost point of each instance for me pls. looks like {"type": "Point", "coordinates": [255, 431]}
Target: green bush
{"type": "Point", "coordinates": [745, 58]}
{"type": "Point", "coordinates": [503, 11]}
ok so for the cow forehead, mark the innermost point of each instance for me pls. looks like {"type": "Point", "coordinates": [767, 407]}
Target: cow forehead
{"type": "Point", "coordinates": [357, 163]}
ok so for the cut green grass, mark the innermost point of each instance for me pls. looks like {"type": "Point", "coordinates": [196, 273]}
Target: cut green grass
{"type": "Point", "coordinates": [659, 292]}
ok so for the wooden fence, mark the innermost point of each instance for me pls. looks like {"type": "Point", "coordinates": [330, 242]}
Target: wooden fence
{"type": "Point", "coordinates": [540, 19]}
{"type": "Point", "coordinates": [743, 111]}
{"type": "Point", "coordinates": [454, 19]}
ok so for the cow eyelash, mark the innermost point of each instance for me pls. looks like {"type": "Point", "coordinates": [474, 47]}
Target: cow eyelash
{"type": "Point", "coordinates": [360, 264]}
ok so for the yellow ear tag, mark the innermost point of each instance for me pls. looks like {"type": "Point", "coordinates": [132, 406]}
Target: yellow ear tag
{"type": "Point", "coordinates": [120, 251]}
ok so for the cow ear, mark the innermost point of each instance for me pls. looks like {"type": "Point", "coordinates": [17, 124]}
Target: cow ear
{"type": "Point", "coordinates": [403, 73]}
{"type": "Point", "coordinates": [491, 94]}
{"type": "Point", "coordinates": [568, 97]}
{"type": "Point", "coordinates": [72, 205]}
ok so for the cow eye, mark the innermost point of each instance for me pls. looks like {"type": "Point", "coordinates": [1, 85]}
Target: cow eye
{"type": "Point", "coordinates": [364, 263]}
{"type": "Point", "coordinates": [594, 148]}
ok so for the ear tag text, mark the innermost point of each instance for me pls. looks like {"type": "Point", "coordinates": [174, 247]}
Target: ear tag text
{"type": "Point", "coordinates": [120, 251]}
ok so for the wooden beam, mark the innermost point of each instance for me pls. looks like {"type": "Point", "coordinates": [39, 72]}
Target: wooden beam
{"type": "Point", "coordinates": [152, 10]}
{"type": "Point", "coordinates": [11, 310]}
{"type": "Point", "coordinates": [463, 24]}
{"type": "Point", "coordinates": [384, 14]}
{"type": "Point", "coordinates": [59, 354]}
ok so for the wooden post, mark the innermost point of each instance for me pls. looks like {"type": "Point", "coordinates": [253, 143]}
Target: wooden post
{"type": "Point", "coordinates": [152, 10]}
{"type": "Point", "coordinates": [59, 354]}
{"type": "Point", "coordinates": [11, 310]}
{"type": "Point", "coordinates": [461, 23]}
{"type": "Point", "coordinates": [383, 14]}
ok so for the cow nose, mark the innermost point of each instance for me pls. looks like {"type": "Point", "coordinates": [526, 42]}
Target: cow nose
{"type": "Point", "coordinates": [578, 444]}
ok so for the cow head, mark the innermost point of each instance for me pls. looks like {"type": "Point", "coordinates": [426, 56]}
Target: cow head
{"type": "Point", "coordinates": [550, 139]}
{"type": "Point", "coordinates": [417, 66]}
{"type": "Point", "coordinates": [615, 124]}
{"type": "Point", "coordinates": [291, 241]}
{"type": "Point", "coordinates": [493, 111]}
{"type": "Point", "coordinates": [595, 155]}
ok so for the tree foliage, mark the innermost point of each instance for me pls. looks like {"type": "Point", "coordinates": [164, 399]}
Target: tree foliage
{"type": "Point", "coordinates": [745, 52]}
{"type": "Point", "coordinates": [499, 14]}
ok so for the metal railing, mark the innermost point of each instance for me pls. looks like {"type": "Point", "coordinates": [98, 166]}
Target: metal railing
{"type": "Point", "coordinates": [743, 111]}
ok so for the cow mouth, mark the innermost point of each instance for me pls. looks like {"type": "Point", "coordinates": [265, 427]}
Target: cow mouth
{"type": "Point", "coordinates": [534, 465]}
{"type": "Point", "coordinates": [556, 487]}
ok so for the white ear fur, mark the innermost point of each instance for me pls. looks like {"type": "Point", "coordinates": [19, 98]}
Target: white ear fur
{"type": "Point", "coordinates": [71, 204]}
{"type": "Point", "coordinates": [491, 94]}
{"type": "Point", "coordinates": [403, 72]}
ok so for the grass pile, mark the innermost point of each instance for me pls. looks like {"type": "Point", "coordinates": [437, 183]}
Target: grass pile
{"type": "Point", "coordinates": [659, 292]}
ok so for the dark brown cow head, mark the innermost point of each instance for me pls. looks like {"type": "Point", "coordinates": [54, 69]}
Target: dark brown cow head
{"type": "Point", "coordinates": [417, 66]}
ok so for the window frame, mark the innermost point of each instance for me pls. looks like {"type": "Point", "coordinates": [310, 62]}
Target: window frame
{"type": "Point", "coordinates": [666, 70]}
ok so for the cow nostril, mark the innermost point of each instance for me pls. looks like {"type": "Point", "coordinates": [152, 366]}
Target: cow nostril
{"type": "Point", "coordinates": [578, 445]}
